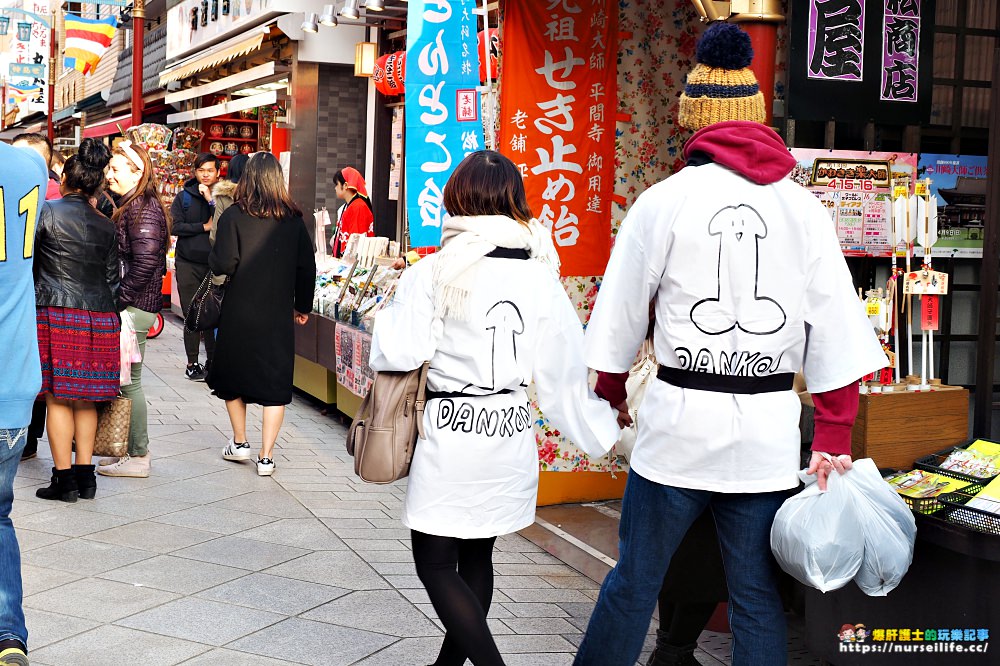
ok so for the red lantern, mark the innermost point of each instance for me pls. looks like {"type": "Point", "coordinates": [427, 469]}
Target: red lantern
{"type": "Point", "coordinates": [494, 37]}
{"type": "Point", "coordinates": [390, 73]}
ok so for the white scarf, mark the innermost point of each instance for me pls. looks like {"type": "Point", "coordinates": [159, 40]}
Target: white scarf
{"type": "Point", "coordinates": [466, 240]}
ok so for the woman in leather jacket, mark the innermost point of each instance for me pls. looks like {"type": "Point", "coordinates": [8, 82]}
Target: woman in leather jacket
{"type": "Point", "coordinates": [76, 285]}
{"type": "Point", "coordinates": [143, 231]}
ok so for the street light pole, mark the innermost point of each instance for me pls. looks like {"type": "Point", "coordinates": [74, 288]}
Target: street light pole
{"type": "Point", "coordinates": [138, 25]}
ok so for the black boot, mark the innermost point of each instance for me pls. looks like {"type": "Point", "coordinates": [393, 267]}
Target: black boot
{"type": "Point", "coordinates": [671, 655]}
{"type": "Point", "coordinates": [63, 487]}
{"type": "Point", "coordinates": [86, 480]}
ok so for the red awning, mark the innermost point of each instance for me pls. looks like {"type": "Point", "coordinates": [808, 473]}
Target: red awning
{"type": "Point", "coordinates": [107, 127]}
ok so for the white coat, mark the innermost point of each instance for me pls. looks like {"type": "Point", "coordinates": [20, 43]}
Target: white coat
{"type": "Point", "coordinates": [476, 474]}
{"type": "Point", "coordinates": [748, 280]}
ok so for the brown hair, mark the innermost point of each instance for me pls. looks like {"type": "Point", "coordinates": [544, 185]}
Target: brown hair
{"type": "Point", "coordinates": [487, 183]}
{"type": "Point", "coordinates": [145, 189]}
{"type": "Point", "coordinates": [261, 191]}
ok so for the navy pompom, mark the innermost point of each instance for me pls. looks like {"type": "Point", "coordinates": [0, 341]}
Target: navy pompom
{"type": "Point", "coordinates": [725, 45]}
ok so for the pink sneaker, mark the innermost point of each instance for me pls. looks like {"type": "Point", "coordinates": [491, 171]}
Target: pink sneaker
{"type": "Point", "coordinates": [128, 466]}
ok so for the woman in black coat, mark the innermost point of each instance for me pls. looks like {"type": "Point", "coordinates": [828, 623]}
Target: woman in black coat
{"type": "Point", "coordinates": [263, 246]}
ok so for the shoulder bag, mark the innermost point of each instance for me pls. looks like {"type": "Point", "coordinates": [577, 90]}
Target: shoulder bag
{"type": "Point", "coordinates": [385, 431]}
{"type": "Point", "coordinates": [205, 310]}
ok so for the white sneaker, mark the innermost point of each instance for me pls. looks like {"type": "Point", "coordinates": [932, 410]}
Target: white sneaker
{"type": "Point", "coordinates": [236, 451]}
{"type": "Point", "coordinates": [265, 466]}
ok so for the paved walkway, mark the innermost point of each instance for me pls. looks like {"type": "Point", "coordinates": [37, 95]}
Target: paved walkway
{"type": "Point", "coordinates": [205, 563]}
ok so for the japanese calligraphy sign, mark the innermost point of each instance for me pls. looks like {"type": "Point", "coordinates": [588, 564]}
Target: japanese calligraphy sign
{"type": "Point", "coordinates": [443, 122]}
{"type": "Point", "coordinates": [28, 57]}
{"type": "Point", "coordinates": [859, 60]}
{"type": "Point", "coordinates": [557, 105]}
{"type": "Point", "coordinates": [836, 39]}
{"type": "Point", "coordinates": [900, 50]}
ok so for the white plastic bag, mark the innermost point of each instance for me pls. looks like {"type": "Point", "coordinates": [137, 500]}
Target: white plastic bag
{"type": "Point", "coordinates": [639, 377]}
{"type": "Point", "coordinates": [129, 347]}
{"type": "Point", "coordinates": [816, 536]}
{"type": "Point", "coordinates": [888, 526]}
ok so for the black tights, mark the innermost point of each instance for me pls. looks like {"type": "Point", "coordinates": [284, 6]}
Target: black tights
{"type": "Point", "coordinates": [458, 575]}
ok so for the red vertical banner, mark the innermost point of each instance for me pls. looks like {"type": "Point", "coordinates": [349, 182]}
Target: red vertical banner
{"type": "Point", "coordinates": [558, 103]}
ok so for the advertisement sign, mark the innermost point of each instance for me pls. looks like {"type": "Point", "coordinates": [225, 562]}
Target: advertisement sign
{"type": "Point", "coordinates": [559, 102]}
{"type": "Point", "coordinates": [28, 58]}
{"type": "Point", "coordinates": [860, 60]}
{"type": "Point", "coordinates": [443, 108]}
{"type": "Point", "coordinates": [191, 24]}
{"type": "Point", "coordinates": [959, 183]}
{"type": "Point", "coordinates": [353, 348]}
{"type": "Point", "coordinates": [854, 186]}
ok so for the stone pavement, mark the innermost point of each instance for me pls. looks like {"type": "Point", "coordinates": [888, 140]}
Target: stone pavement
{"type": "Point", "coordinates": [206, 563]}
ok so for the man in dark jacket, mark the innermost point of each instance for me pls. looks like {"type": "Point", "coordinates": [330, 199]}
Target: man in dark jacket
{"type": "Point", "coordinates": [191, 213]}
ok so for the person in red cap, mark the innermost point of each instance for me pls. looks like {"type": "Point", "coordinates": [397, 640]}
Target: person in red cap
{"type": "Point", "coordinates": [355, 216]}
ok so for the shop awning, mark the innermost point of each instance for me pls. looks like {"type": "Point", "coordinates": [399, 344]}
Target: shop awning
{"type": "Point", "coordinates": [107, 127]}
{"type": "Point", "coordinates": [218, 55]}
{"type": "Point", "coordinates": [239, 104]}
{"type": "Point", "coordinates": [63, 114]}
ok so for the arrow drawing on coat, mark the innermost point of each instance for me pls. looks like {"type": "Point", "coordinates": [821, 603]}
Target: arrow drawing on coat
{"type": "Point", "coordinates": [737, 302]}
{"type": "Point", "coordinates": [506, 322]}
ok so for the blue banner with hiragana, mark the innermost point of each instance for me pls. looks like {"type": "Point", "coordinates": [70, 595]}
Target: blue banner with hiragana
{"type": "Point", "coordinates": [443, 122]}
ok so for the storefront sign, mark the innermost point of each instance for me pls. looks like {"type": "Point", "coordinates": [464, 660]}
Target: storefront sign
{"type": "Point", "coordinates": [28, 57]}
{"type": "Point", "coordinates": [442, 107]}
{"type": "Point", "coordinates": [25, 70]}
{"type": "Point", "coordinates": [353, 348]}
{"type": "Point", "coordinates": [860, 60]}
{"type": "Point", "coordinates": [836, 39]}
{"type": "Point", "coordinates": [558, 104]}
{"type": "Point", "coordinates": [959, 183]}
{"type": "Point", "coordinates": [191, 24]}
{"type": "Point", "coordinates": [855, 189]}
{"type": "Point", "coordinates": [900, 50]}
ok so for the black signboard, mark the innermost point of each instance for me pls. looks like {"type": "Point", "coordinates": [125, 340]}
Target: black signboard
{"type": "Point", "coordinates": [860, 60]}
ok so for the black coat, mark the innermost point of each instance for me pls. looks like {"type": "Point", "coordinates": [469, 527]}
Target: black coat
{"type": "Point", "coordinates": [142, 245]}
{"type": "Point", "coordinates": [76, 257]}
{"type": "Point", "coordinates": [272, 273]}
{"type": "Point", "coordinates": [189, 212]}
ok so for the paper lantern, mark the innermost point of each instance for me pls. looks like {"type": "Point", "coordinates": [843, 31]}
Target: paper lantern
{"type": "Point", "coordinates": [390, 73]}
{"type": "Point", "coordinates": [494, 36]}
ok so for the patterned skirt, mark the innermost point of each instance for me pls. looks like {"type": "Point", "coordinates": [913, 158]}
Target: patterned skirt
{"type": "Point", "coordinates": [80, 353]}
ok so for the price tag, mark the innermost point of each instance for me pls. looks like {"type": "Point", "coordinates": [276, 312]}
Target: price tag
{"type": "Point", "coordinates": [929, 312]}
{"type": "Point", "coordinates": [921, 190]}
{"type": "Point", "coordinates": [874, 307]}
{"type": "Point", "coordinates": [898, 191]}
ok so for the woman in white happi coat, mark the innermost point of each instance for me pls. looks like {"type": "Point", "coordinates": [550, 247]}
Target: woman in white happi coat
{"type": "Point", "coordinates": [491, 316]}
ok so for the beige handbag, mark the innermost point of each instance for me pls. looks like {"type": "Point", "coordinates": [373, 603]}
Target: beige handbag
{"type": "Point", "coordinates": [385, 431]}
{"type": "Point", "coordinates": [113, 420]}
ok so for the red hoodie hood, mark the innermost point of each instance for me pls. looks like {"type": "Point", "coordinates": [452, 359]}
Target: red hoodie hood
{"type": "Point", "coordinates": [750, 149]}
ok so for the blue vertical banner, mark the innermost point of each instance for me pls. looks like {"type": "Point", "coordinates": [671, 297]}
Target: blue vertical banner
{"type": "Point", "coordinates": [442, 107]}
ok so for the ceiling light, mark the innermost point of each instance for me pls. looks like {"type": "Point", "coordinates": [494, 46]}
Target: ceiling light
{"type": "Point", "coordinates": [310, 25]}
{"type": "Point", "coordinates": [350, 10]}
{"type": "Point", "coordinates": [329, 16]}
{"type": "Point", "coordinates": [375, 5]}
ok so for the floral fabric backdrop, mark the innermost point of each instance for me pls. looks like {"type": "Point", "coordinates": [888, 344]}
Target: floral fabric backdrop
{"type": "Point", "coordinates": [656, 50]}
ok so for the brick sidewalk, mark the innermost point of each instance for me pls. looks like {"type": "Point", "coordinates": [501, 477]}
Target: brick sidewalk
{"type": "Point", "coordinates": [206, 563]}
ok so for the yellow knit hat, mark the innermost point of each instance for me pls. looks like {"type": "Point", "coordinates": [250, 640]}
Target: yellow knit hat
{"type": "Point", "coordinates": [721, 86]}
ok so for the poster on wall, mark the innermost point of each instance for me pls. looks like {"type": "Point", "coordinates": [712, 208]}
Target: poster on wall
{"type": "Point", "coordinates": [855, 188]}
{"type": "Point", "coordinates": [861, 60]}
{"type": "Point", "coordinates": [396, 154]}
{"type": "Point", "coordinates": [353, 348]}
{"type": "Point", "coordinates": [558, 99]}
{"type": "Point", "coordinates": [28, 58]}
{"type": "Point", "coordinates": [959, 183]}
{"type": "Point", "coordinates": [442, 120]}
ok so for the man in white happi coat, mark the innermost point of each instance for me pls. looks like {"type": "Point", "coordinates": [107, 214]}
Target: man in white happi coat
{"type": "Point", "coordinates": [749, 286]}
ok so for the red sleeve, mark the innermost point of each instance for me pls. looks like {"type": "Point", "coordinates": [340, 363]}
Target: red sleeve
{"type": "Point", "coordinates": [835, 414]}
{"type": "Point", "coordinates": [357, 219]}
{"type": "Point", "coordinates": [611, 386]}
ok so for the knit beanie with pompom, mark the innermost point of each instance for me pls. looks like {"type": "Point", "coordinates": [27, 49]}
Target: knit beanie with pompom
{"type": "Point", "coordinates": [721, 86]}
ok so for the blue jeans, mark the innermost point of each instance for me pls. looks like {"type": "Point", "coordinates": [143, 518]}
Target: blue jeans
{"type": "Point", "coordinates": [11, 615]}
{"type": "Point", "coordinates": [654, 520]}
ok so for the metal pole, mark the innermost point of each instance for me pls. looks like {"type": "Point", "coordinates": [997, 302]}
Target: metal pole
{"type": "Point", "coordinates": [986, 343]}
{"type": "Point", "coordinates": [138, 26]}
{"type": "Point", "coordinates": [52, 76]}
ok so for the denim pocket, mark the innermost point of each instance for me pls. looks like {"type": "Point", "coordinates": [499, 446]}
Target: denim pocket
{"type": "Point", "coordinates": [11, 436]}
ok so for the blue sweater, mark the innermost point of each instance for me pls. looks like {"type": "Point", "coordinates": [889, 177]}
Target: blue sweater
{"type": "Point", "coordinates": [23, 177]}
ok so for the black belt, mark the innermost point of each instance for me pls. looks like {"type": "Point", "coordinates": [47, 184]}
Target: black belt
{"type": "Point", "coordinates": [431, 395]}
{"type": "Point", "coordinates": [509, 253]}
{"type": "Point", "coordinates": [707, 381]}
